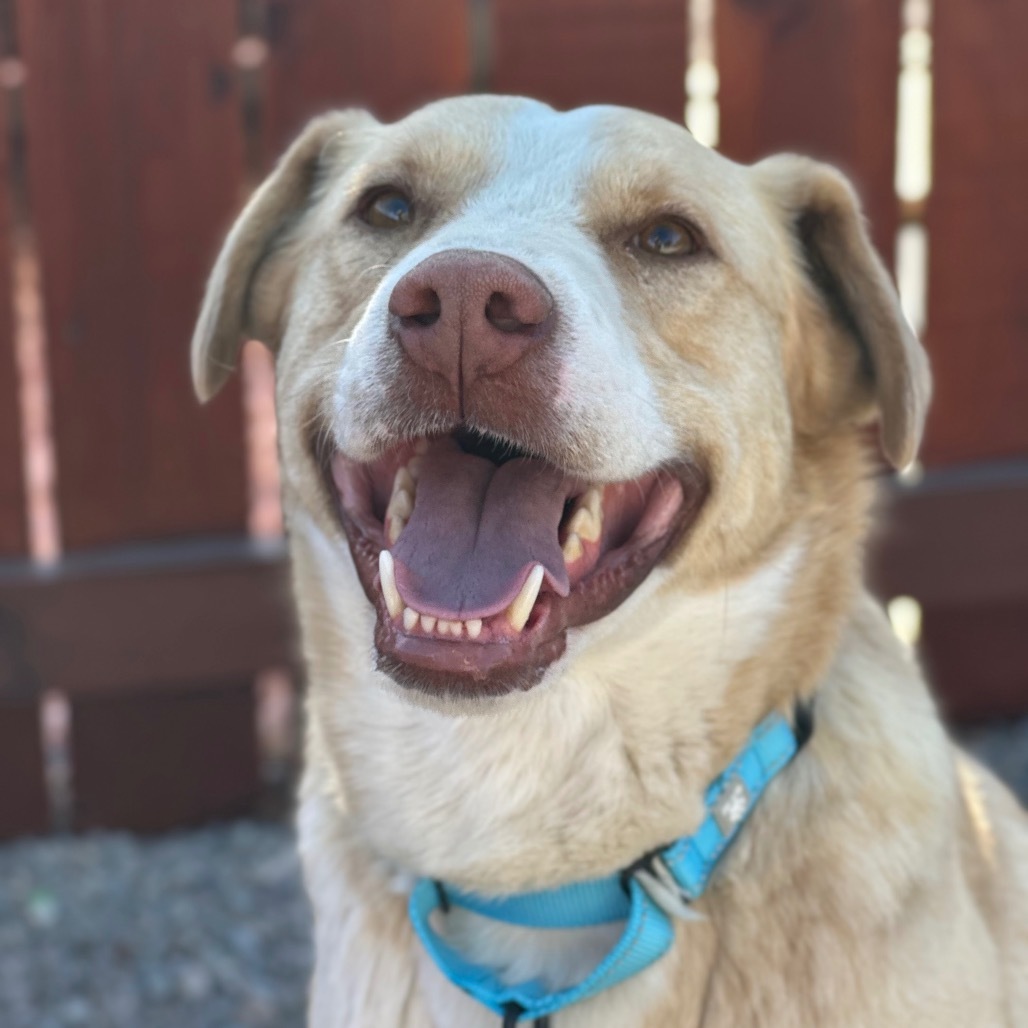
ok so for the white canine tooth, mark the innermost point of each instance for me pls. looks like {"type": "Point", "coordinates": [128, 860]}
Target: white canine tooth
{"type": "Point", "coordinates": [410, 619]}
{"type": "Point", "coordinates": [572, 549]}
{"type": "Point", "coordinates": [518, 612]}
{"type": "Point", "coordinates": [593, 502]}
{"type": "Point", "coordinates": [414, 468]}
{"type": "Point", "coordinates": [387, 577]}
{"type": "Point", "coordinates": [403, 482]}
{"type": "Point", "coordinates": [585, 525]}
{"type": "Point", "coordinates": [474, 627]}
{"type": "Point", "coordinates": [401, 505]}
{"type": "Point", "coordinates": [428, 623]}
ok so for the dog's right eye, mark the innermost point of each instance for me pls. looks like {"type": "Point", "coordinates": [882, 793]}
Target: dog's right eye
{"type": "Point", "coordinates": [387, 208]}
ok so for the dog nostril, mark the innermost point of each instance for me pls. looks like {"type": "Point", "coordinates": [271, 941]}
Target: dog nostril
{"type": "Point", "coordinates": [424, 319]}
{"type": "Point", "coordinates": [499, 312]}
{"type": "Point", "coordinates": [423, 308]}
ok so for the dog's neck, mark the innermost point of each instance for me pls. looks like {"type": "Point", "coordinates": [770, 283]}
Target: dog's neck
{"type": "Point", "coordinates": [752, 917]}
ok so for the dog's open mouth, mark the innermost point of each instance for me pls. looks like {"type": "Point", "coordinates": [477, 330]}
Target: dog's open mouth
{"type": "Point", "coordinates": [478, 556]}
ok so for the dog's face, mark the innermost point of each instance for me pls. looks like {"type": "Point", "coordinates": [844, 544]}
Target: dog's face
{"type": "Point", "coordinates": [525, 358]}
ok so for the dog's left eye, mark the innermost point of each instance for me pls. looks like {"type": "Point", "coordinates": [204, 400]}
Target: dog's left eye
{"type": "Point", "coordinates": [388, 208]}
{"type": "Point", "coordinates": [668, 237]}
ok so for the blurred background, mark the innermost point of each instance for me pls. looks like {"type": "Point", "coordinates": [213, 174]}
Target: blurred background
{"type": "Point", "coordinates": [149, 678]}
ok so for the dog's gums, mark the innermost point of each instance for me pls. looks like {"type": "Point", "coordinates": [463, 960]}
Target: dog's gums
{"type": "Point", "coordinates": [478, 557]}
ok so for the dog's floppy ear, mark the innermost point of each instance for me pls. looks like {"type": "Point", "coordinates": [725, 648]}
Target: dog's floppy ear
{"type": "Point", "coordinates": [863, 348]}
{"type": "Point", "coordinates": [232, 310]}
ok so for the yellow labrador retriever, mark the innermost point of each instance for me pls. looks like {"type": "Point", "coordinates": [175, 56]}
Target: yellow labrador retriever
{"type": "Point", "coordinates": [604, 729]}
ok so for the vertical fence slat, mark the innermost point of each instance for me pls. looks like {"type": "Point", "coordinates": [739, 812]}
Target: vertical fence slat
{"type": "Point", "coordinates": [592, 51]}
{"type": "Point", "coordinates": [820, 78]}
{"type": "Point", "coordinates": [977, 224]}
{"type": "Point", "coordinates": [134, 165]}
{"type": "Point", "coordinates": [388, 55]}
{"type": "Point", "coordinates": [12, 489]}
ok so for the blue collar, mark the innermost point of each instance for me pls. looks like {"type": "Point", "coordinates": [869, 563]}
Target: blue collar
{"type": "Point", "coordinates": [646, 896]}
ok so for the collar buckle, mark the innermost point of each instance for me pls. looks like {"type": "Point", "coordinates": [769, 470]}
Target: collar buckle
{"type": "Point", "coordinates": [659, 883]}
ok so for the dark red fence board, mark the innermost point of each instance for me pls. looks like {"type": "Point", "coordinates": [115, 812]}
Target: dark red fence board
{"type": "Point", "coordinates": [134, 164]}
{"type": "Point", "coordinates": [957, 544]}
{"type": "Point", "coordinates": [819, 78]}
{"type": "Point", "coordinates": [972, 687]}
{"type": "Point", "coordinates": [957, 539]}
{"type": "Point", "coordinates": [592, 51]}
{"type": "Point", "coordinates": [155, 760]}
{"type": "Point", "coordinates": [12, 494]}
{"type": "Point", "coordinates": [977, 224]}
{"type": "Point", "coordinates": [388, 55]}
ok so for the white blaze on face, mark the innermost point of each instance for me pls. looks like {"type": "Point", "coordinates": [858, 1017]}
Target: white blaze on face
{"type": "Point", "coordinates": [532, 209]}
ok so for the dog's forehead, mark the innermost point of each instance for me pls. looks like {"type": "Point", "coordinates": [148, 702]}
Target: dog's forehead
{"type": "Point", "coordinates": [524, 156]}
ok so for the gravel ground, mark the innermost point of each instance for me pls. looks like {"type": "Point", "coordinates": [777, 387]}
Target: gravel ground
{"type": "Point", "coordinates": [204, 929]}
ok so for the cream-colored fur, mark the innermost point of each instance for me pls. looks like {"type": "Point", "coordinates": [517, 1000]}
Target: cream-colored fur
{"type": "Point", "coordinates": [883, 880]}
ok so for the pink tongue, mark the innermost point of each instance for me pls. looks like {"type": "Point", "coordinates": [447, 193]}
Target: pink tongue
{"type": "Point", "coordinates": [476, 532]}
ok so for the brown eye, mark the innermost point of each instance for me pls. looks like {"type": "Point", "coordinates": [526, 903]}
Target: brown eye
{"type": "Point", "coordinates": [388, 208]}
{"type": "Point", "coordinates": [667, 237]}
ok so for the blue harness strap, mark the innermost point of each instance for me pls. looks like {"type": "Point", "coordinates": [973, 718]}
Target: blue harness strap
{"type": "Point", "coordinates": [646, 896]}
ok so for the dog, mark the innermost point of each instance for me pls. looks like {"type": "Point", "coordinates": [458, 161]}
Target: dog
{"type": "Point", "coordinates": [577, 466]}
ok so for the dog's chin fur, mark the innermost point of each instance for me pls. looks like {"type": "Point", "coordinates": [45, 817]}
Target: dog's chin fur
{"type": "Point", "coordinates": [873, 884]}
{"type": "Point", "coordinates": [438, 693]}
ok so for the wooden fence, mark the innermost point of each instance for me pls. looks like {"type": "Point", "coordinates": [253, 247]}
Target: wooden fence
{"type": "Point", "coordinates": [130, 132]}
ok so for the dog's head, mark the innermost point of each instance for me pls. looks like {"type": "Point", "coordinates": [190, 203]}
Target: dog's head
{"type": "Point", "coordinates": [525, 358]}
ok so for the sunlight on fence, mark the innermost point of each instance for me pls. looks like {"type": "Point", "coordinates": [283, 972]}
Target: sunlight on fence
{"type": "Point", "coordinates": [914, 159]}
{"type": "Point", "coordinates": [701, 79]}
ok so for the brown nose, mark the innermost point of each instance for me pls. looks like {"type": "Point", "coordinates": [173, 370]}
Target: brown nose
{"type": "Point", "coordinates": [470, 314]}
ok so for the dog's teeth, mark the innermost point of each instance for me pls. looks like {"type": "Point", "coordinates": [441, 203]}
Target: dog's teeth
{"type": "Point", "coordinates": [410, 619]}
{"type": "Point", "coordinates": [572, 549]}
{"type": "Point", "coordinates": [593, 502]}
{"type": "Point", "coordinates": [444, 627]}
{"type": "Point", "coordinates": [585, 525]}
{"type": "Point", "coordinates": [518, 612]}
{"type": "Point", "coordinates": [387, 576]}
{"type": "Point", "coordinates": [427, 623]}
{"type": "Point", "coordinates": [394, 526]}
{"type": "Point", "coordinates": [401, 505]}
{"type": "Point", "coordinates": [414, 468]}
{"type": "Point", "coordinates": [403, 483]}
{"type": "Point", "coordinates": [474, 627]}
